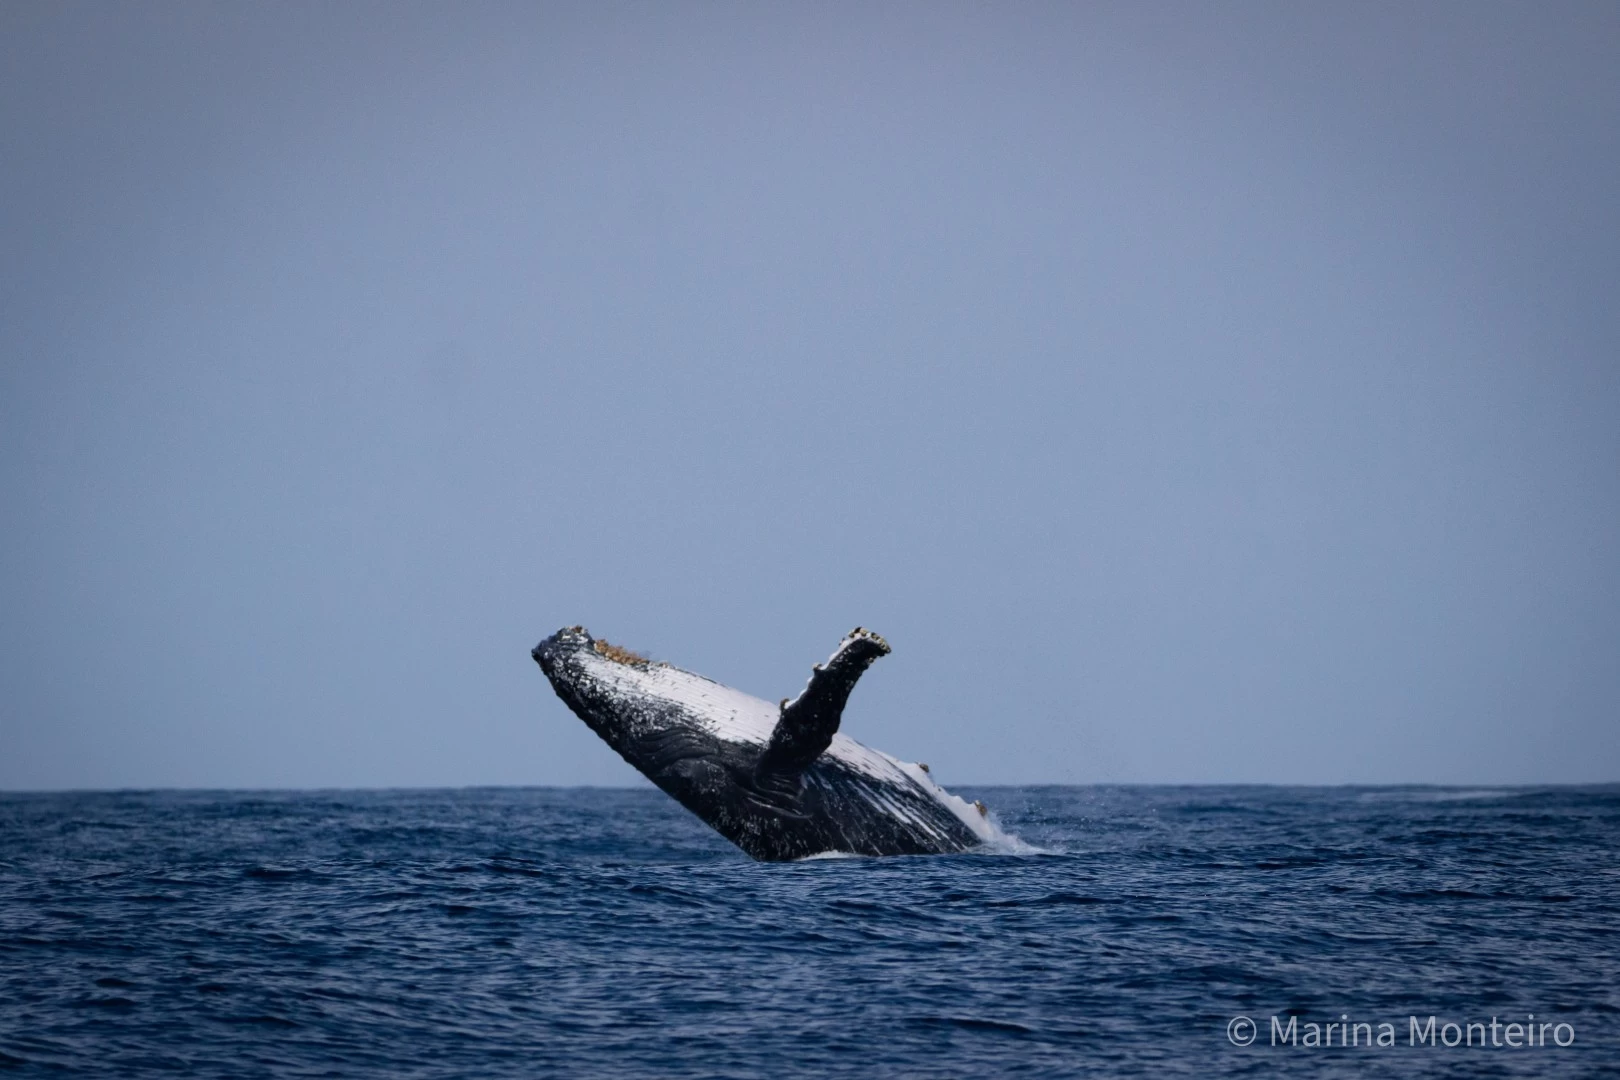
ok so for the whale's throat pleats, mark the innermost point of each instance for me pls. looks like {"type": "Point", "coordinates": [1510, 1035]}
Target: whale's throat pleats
{"type": "Point", "coordinates": [806, 725]}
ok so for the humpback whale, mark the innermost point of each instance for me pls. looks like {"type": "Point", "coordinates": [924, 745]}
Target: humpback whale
{"type": "Point", "coordinates": [779, 781]}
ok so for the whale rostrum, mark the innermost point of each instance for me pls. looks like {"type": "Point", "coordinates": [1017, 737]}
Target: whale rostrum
{"type": "Point", "coordinates": [779, 781]}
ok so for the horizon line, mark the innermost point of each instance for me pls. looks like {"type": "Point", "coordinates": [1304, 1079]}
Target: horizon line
{"type": "Point", "coordinates": [293, 789]}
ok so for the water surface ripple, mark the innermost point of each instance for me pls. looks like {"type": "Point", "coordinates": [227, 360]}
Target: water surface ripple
{"type": "Point", "coordinates": [551, 932]}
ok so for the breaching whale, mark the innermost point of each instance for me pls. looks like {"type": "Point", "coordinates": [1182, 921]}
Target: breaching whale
{"type": "Point", "coordinates": [779, 781]}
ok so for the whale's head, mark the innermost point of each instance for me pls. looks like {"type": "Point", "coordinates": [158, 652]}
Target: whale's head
{"type": "Point", "coordinates": [609, 687]}
{"type": "Point", "coordinates": [689, 735]}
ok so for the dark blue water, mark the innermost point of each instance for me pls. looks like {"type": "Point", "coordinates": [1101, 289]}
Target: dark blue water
{"type": "Point", "coordinates": [524, 933]}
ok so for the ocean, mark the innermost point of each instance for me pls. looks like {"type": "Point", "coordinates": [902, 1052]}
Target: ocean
{"type": "Point", "coordinates": [1141, 931]}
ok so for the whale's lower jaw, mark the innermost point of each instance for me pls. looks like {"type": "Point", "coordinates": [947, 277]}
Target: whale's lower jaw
{"type": "Point", "coordinates": [704, 745]}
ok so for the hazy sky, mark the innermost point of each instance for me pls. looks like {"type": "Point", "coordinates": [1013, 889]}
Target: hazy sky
{"type": "Point", "coordinates": [1189, 392]}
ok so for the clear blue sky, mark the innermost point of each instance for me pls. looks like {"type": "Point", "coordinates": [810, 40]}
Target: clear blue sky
{"type": "Point", "coordinates": [1189, 392]}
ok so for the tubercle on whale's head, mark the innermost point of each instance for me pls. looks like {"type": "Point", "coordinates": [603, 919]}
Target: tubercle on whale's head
{"type": "Point", "coordinates": [550, 651]}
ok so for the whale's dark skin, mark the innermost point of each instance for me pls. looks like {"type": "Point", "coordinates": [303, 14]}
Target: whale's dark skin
{"type": "Point", "coordinates": [777, 781]}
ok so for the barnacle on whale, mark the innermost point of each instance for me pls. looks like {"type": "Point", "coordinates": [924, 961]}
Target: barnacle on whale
{"type": "Point", "coordinates": [619, 654]}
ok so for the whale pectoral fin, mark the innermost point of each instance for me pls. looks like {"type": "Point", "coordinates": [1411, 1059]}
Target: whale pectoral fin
{"type": "Point", "coordinates": [808, 722]}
